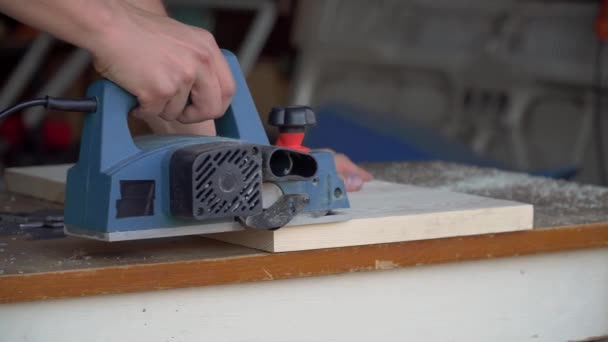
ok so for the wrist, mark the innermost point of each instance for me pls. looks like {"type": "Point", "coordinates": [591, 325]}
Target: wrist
{"type": "Point", "coordinates": [103, 28]}
{"type": "Point", "coordinates": [115, 20]}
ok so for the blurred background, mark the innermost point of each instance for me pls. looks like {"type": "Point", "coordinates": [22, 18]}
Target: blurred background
{"type": "Point", "coordinates": [514, 85]}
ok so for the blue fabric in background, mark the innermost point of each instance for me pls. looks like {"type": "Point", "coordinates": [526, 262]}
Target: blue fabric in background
{"type": "Point", "coordinates": [355, 133]}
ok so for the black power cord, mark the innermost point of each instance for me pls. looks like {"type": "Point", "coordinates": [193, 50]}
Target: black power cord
{"type": "Point", "coordinates": [56, 103]}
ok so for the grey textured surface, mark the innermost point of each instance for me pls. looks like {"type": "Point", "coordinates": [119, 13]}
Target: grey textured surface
{"type": "Point", "coordinates": [556, 203]}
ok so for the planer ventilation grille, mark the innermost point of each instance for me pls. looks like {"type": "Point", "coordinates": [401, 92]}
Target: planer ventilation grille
{"type": "Point", "coordinates": [227, 183]}
{"type": "Point", "coordinates": [216, 180]}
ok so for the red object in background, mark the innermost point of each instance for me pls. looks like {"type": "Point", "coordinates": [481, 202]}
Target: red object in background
{"type": "Point", "coordinates": [56, 134]}
{"type": "Point", "coordinates": [292, 140]}
{"type": "Point", "coordinates": [601, 23]}
{"type": "Point", "coordinates": [12, 130]}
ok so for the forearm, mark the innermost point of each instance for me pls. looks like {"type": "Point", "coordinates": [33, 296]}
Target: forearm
{"type": "Point", "coordinates": [153, 6]}
{"type": "Point", "coordinates": [101, 26]}
{"type": "Point", "coordinates": [79, 22]}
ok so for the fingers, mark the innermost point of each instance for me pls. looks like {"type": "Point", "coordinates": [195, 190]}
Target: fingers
{"type": "Point", "coordinates": [148, 108]}
{"type": "Point", "coordinates": [214, 85]}
{"type": "Point", "coordinates": [206, 100]}
{"type": "Point", "coordinates": [172, 104]}
{"type": "Point", "coordinates": [353, 182]}
{"type": "Point", "coordinates": [176, 105]}
{"type": "Point", "coordinates": [365, 174]}
{"type": "Point", "coordinates": [200, 73]}
{"type": "Point", "coordinates": [207, 90]}
{"type": "Point", "coordinates": [354, 177]}
{"type": "Point", "coordinates": [224, 75]}
{"type": "Point", "coordinates": [163, 97]}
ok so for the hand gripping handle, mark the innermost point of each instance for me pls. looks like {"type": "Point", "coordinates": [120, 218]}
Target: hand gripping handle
{"type": "Point", "coordinates": [106, 139]}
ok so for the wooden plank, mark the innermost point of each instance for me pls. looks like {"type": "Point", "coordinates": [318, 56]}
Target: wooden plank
{"type": "Point", "coordinates": [383, 212]}
{"type": "Point", "coordinates": [242, 268]}
{"type": "Point", "coordinates": [43, 182]}
{"type": "Point", "coordinates": [386, 212]}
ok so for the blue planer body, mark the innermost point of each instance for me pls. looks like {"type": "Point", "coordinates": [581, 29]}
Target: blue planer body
{"type": "Point", "coordinates": [123, 188]}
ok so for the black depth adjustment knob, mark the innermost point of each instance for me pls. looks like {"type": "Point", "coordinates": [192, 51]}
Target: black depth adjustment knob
{"type": "Point", "coordinates": [292, 119]}
{"type": "Point", "coordinates": [292, 122]}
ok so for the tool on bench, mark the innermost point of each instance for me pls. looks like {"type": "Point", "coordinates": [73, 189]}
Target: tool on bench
{"type": "Point", "coordinates": [126, 188]}
{"type": "Point", "coordinates": [36, 219]}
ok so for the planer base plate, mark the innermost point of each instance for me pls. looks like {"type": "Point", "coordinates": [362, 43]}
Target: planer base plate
{"type": "Point", "coordinates": [202, 229]}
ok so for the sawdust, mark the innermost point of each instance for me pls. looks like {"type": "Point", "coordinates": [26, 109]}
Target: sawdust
{"type": "Point", "coordinates": [78, 254]}
{"type": "Point", "coordinates": [556, 202]}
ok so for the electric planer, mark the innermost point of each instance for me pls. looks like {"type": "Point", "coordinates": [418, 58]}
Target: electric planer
{"type": "Point", "coordinates": [125, 188]}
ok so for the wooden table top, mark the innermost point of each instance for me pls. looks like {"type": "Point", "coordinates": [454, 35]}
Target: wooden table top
{"type": "Point", "coordinates": [38, 263]}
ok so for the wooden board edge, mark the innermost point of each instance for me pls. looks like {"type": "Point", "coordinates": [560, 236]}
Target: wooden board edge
{"type": "Point", "coordinates": [290, 239]}
{"type": "Point", "coordinates": [25, 185]}
{"type": "Point", "coordinates": [274, 266]}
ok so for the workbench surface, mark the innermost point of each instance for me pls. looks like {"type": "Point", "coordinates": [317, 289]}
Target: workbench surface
{"type": "Point", "coordinates": [42, 263]}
